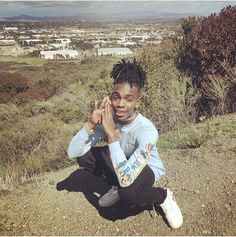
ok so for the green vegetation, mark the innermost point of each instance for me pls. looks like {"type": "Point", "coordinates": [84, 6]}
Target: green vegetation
{"type": "Point", "coordinates": [166, 100]}
{"type": "Point", "coordinates": [35, 144]}
{"type": "Point", "coordinates": [207, 53]}
{"type": "Point", "coordinates": [35, 61]}
{"type": "Point", "coordinates": [196, 135]}
{"type": "Point", "coordinates": [68, 112]}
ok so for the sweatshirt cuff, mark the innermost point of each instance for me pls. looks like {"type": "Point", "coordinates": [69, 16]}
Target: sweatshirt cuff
{"type": "Point", "coordinates": [114, 147]}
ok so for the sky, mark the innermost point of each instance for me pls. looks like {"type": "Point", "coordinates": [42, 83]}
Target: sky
{"type": "Point", "coordinates": [111, 9]}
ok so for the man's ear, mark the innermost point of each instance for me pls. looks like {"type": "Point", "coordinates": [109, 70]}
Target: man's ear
{"type": "Point", "coordinates": [138, 101]}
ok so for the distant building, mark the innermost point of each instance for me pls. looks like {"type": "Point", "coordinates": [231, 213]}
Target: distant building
{"type": "Point", "coordinates": [23, 37]}
{"type": "Point", "coordinates": [126, 43]}
{"type": "Point", "coordinates": [78, 31]}
{"type": "Point", "coordinates": [61, 54]}
{"type": "Point", "coordinates": [62, 40]}
{"type": "Point", "coordinates": [10, 29]}
{"type": "Point", "coordinates": [58, 45]}
{"type": "Point", "coordinates": [31, 42]}
{"type": "Point", "coordinates": [114, 51]}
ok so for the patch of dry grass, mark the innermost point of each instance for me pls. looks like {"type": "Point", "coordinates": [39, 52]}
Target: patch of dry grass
{"type": "Point", "coordinates": [202, 134]}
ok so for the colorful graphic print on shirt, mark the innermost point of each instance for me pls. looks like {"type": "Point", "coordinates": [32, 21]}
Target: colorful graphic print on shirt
{"type": "Point", "coordinates": [127, 174]}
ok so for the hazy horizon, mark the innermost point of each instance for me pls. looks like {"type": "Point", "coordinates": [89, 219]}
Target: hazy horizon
{"type": "Point", "coordinates": [92, 10]}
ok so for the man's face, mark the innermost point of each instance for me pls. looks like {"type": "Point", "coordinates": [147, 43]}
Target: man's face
{"type": "Point", "coordinates": [125, 99]}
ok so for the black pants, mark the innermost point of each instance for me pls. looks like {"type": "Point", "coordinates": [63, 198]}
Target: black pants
{"type": "Point", "coordinates": [97, 161]}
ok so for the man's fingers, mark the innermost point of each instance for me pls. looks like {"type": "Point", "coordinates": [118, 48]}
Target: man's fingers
{"type": "Point", "coordinates": [103, 116]}
{"type": "Point", "coordinates": [103, 103]}
{"type": "Point", "coordinates": [107, 109]}
{"type": "Point", "coordinates": [108, 100]}
{"type": "Point", "coordinates": [102, 112]}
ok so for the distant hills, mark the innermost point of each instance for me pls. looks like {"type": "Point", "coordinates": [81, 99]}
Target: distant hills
{"type": "Point", "coordinates": [27, 18]}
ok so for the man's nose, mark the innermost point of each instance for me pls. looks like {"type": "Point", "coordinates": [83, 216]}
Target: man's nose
{"type": "Point", "coordinates": [121, 103]}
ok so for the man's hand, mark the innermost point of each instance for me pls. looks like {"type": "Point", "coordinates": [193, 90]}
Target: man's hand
{"type": "Point", "coordinates": [108, 123]}
{"type": "Point", "coordinates": [96, 114]}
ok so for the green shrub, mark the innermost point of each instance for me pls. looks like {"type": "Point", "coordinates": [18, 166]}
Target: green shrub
{"type": "Point", "coordinates": [36, 107]}
{"type": "Point", "coordinates": [11, 84]}
{"type": "Point", "coordinates": [168, 97]}
{"type": "Point", "coordinates": [31, 145]}
{"type": "Point", "coordinates": [185, 138]}
{"type": "Point", "coordinates": [24, 138]}
{"type": "Point", "coordinates": [68, 112]}
{"type": "Point", "coordinates": [52, 85]}
{"type": "Point", "coordinates": [208, 44]}
{"type": "Point", "coordinates": [8, 111]}
{"type": "Point", "coordinates": [31, 164]}
{"type": "Point", "coordinates": [196, 135]}
{"type": "Point", "coordinates": [207, 54]}
{"type": "Point", "coordinates": [189, 137]}
{"type": "Point", "coordinates": [16, 88]}
{"type": "Point", "coordinates": [102, 88]}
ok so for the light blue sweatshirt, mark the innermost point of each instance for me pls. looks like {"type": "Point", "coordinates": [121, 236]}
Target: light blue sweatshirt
{"type": "Point", "coordinates": [135, 148]}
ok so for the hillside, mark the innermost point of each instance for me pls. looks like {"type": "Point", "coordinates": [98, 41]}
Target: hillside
{"type": "Point", "coordinates": [64, 202]}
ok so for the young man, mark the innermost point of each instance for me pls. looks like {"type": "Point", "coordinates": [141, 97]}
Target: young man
{"type": "Point", "coordinates": [130, 162]}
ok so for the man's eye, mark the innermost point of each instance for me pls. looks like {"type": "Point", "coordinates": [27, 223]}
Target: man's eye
{"type": "Point", "coordinates": [114, 97]}
{"type": "Point", "coordinates": [129, 99]}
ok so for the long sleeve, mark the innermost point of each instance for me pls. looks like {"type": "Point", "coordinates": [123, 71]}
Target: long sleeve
{"type": "Point", "coordinates": [82, 142]}
{"type": "Point", "coordinates": [128, 170]}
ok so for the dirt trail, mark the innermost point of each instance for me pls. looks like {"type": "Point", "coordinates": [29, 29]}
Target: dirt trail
{"type": "Point", "coordinates": [203, 181]}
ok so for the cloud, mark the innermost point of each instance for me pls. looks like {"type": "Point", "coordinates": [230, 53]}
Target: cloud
{"type": "Point", "coordinates": [106, 9]}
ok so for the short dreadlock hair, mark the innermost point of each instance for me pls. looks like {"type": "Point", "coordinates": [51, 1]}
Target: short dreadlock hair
{"type": "Point", "coordinates": [132, 73]}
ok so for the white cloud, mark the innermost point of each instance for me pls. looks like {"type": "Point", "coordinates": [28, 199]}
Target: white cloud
{"type": "Point", "coordinates": [99, 8]}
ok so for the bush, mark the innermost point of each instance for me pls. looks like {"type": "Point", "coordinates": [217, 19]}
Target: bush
{"type": "Point", "coordinates": [35, 107]}
{"type": "Point", "coordinates": [208, 44]}
{"type": "Point", "coordinates": [11, 84]}
{"type": "Point", "coordinates": [51, 85]}
{"type": "Point", "coordinates": [17, 89]}
{"type": "Point", "coordinates": [23, 139]}
{"type": "Point", "coordinates": [207, 54]}
{"type": "Point", "coordinates": [189, 137]}
{"type": "Point", "coordinates": [34, 93]}
{"type": "Point", "coordinates": [7, 111]}
{"type": "Point", "coordinates": [168, 97]}
{"type": "Point", "coordinates": [102, 88]}
{"type": "Point", "coordinates": [31, 145]}
{"type": "Point", "coordinates": [203, 134]}
{"type": "Point", "coordinates": [68, 112]}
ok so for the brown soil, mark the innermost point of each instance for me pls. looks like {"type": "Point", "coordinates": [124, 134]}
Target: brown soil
{"type": "Point", "coordinates": [202, 179]}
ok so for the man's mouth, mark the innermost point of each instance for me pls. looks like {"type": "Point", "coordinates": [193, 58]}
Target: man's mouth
{"type": "Point", "coordinates": [120, 113]}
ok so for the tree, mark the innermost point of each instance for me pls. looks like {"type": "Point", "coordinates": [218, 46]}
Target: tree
{"type": "Point", "coordinates": [208, 44]}
{"type": "Point", "coordinates": [207, 52]}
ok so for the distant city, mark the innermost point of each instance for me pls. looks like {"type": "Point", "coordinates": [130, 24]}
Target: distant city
{"type": "Point", "coordinates": [76, 40]}
{"type": "Point", "coordinates": [74, 30]}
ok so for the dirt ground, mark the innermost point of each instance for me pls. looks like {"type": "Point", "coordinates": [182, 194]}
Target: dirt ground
{"type": "Point", "coordinates": [65, 202]}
